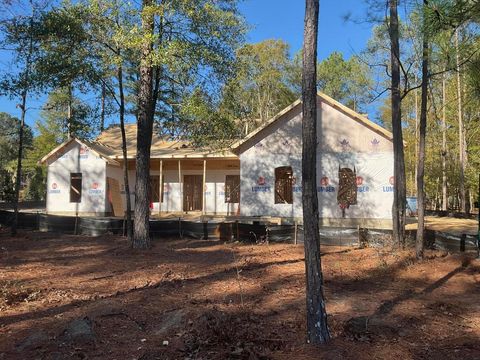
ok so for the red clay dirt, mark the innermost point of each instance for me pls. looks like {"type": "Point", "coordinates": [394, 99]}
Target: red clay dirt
{"type": "Point", "coordinates": [74, 297]}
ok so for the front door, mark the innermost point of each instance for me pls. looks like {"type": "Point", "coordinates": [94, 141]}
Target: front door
{"type": "Point", "coordinates": [192, 192]}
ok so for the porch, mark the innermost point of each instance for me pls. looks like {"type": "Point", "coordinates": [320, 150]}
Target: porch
{"type": "Point", "coordinates": [181, 187]}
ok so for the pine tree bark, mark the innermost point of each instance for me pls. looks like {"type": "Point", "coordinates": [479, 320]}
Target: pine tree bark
{"type": "Point", "coordinates": [461, 130]}
{"type": "Point", "coordinates": [399, 194]}
{"type": "Point", "coordinates": [102, 110]}
{"type": "Point", "coordinates": [416, 134]}
{"type": "Point", "coordinates": [69, 112]}
{"type": "Point", "coordinates": [317, 327]}
{"type": "Point", "coordinates": [420, 243]}
{"type": "Point", "coordinates": [18, 179]}
{"type": "Point", "coordinates": [444, 144]}
{"type": "Point", "coordinates": [141, 234]}
{"type": "Point", "coordinates": [125, 154]}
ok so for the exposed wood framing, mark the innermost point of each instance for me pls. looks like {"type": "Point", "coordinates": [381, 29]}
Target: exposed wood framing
{"type": "Point", "coordinates": [160, 189]}
{"type": "Point", "coordinates": [203, 185]}
{"type": "Point", "coordinates": [180, 182]}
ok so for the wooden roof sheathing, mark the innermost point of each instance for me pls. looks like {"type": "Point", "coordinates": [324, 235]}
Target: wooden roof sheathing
{"type": "Point", "coordinates": [161, 148]}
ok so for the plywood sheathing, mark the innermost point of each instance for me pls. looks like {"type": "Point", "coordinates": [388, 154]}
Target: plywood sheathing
{"type": "Point", "coordinates": [115, 198]}
{"type": "Point", "coordinates": [161, 148]}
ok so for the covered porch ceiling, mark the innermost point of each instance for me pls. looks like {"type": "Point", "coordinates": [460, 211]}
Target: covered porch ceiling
{"type": "Point", "coordinates": [189, 164]}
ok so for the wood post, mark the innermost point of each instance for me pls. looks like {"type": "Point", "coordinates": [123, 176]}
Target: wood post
{"type": "Point", "coordinates": [180, 185]}
{"type": "Point", "coordinates": [204, 190]}
{"type": "Point", "coordinates": [295, 241]}
{"type": "Point", "coordinates": [160, 189]}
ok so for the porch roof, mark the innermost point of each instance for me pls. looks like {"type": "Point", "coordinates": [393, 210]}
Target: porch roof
{"type": "Point", "coordinates": [160, 149]}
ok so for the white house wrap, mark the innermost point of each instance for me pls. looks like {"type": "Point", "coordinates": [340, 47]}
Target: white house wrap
{"type": "Point", "coordinates": [266, 164]}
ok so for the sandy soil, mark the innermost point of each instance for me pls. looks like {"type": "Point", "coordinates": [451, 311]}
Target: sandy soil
{"type": "Point", "coordinates": [72, 297]}
{"type": "Point", "coordinates": [449, 225]}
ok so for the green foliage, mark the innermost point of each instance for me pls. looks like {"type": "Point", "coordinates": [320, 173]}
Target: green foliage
{"type": "Point", "coordinates": [205, 126]}
{"type": "Point", "coordinates": [36, 185]}
{"type": "Point", "coordinates": [9, 132]}
{"type": "Point", "coordinates": [20, 36]}
{"type": "Point", "coordinates": [66, 56]}
{"type": "Point", "coordinates": [83, 120]}
{"type": "Point", "coordinates": [261, 86]}
{"type": "Point", "coordinates": [7, 190]}
{"type": "Point", "coordinates": [347, 81]}
{"type": "Point", "coordinates": [9, 137]}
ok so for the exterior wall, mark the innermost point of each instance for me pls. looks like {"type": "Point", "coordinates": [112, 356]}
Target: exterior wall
{"type": "Point", "coordinates": [173, 195]}
{"type": "Point", "coordinates": [343, 142]}
{"type": "Point", "coordinates": [76, 159]}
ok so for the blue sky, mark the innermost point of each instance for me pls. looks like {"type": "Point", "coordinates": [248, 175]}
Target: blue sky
{"type": "Point", "coordinates": [283, 19]}
{"type": "Point", "coordinates": [272, 19]}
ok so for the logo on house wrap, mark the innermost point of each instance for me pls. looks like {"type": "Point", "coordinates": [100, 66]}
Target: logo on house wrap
{"type": "Point", "coordinates": [84, 151]}
{"type": "Point", "coordinates": [94, 190]}
{"type": "Point", "coordinates": [259, 147]}
{"type": "Point", "coordinates": [287, 145]}
{"type": "Point", "coordinates": [360, 185]}
{"type": "Point", "coordinates": [54, 189]}
{"type": "Point", "coordinates": [345, 145]}
{"type": "Point", "coordinates": [325, 185]}
{"type": "Point", "coordinates": [261, 185]}
{"type": "Point", "coordinates": [374, 144]}
{"type": "Point", "coordinates": [389, 188]}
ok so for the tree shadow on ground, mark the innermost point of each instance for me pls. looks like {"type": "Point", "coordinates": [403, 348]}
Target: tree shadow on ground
{"type": "Point", "coordinates": [253, 304]}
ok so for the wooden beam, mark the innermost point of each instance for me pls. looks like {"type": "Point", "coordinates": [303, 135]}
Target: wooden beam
{"type": "Point", "coordinates": [160, 189]}
{"type": "Point", "coordinates": [180, 185]}
{"type": "Point", "coordinates": [204, 185]}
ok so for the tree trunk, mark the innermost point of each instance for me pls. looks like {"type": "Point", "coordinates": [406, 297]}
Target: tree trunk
{"type": "Point", "coordinates": [317, 328]}
{"type": "Point", "coordinates": [141, 235]}
{"type": "Point", "coordinates": [18, 180]}
{"type": "Point", "coordinates": [416, 136]}
{"type": "Point", "coordinates": [420, 243]}
{"type": "Point", "coordinates": [124, 152]}
{"type": "Point", "coordinates": [69, 112]}
{"type": "Point", "coordinates": [444, 144]}
{"type": "Point", "coordinates": [102, 111]}
{"type": "Point", "coordinates": [461, 130]}
{"type": "Point", "coordinates": [399, 194]}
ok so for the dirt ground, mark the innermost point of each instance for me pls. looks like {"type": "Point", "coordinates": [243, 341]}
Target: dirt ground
{"type": "Point", "coordinates": [72, 297]}
{"type": "Point", "coordinates": [449, 225]}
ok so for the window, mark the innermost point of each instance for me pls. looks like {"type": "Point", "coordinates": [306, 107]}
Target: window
{"type": "Point", "coordinates": [155, 188]}
{"type": "Point", "coordinates": [284, 185]}
{"type": "Point", "coordinates": [232, 188]}
{"type": "Point", "coordinates": [75, 187]}
{"type": "Point", "coordinates": [347, 187]}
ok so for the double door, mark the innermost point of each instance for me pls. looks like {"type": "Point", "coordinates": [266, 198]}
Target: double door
{"type": "Point", "coordinates": [192, 193]}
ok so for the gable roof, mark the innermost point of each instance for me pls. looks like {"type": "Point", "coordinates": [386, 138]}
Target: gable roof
{"type": "Point", "coordinates": [328, 100]}
{"type": "Point", "coordinates": [108, 146]}
{"type": "Point", "coordinates": [161, 148]}
{"type": "Point", "coordinates": [98, 149]}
